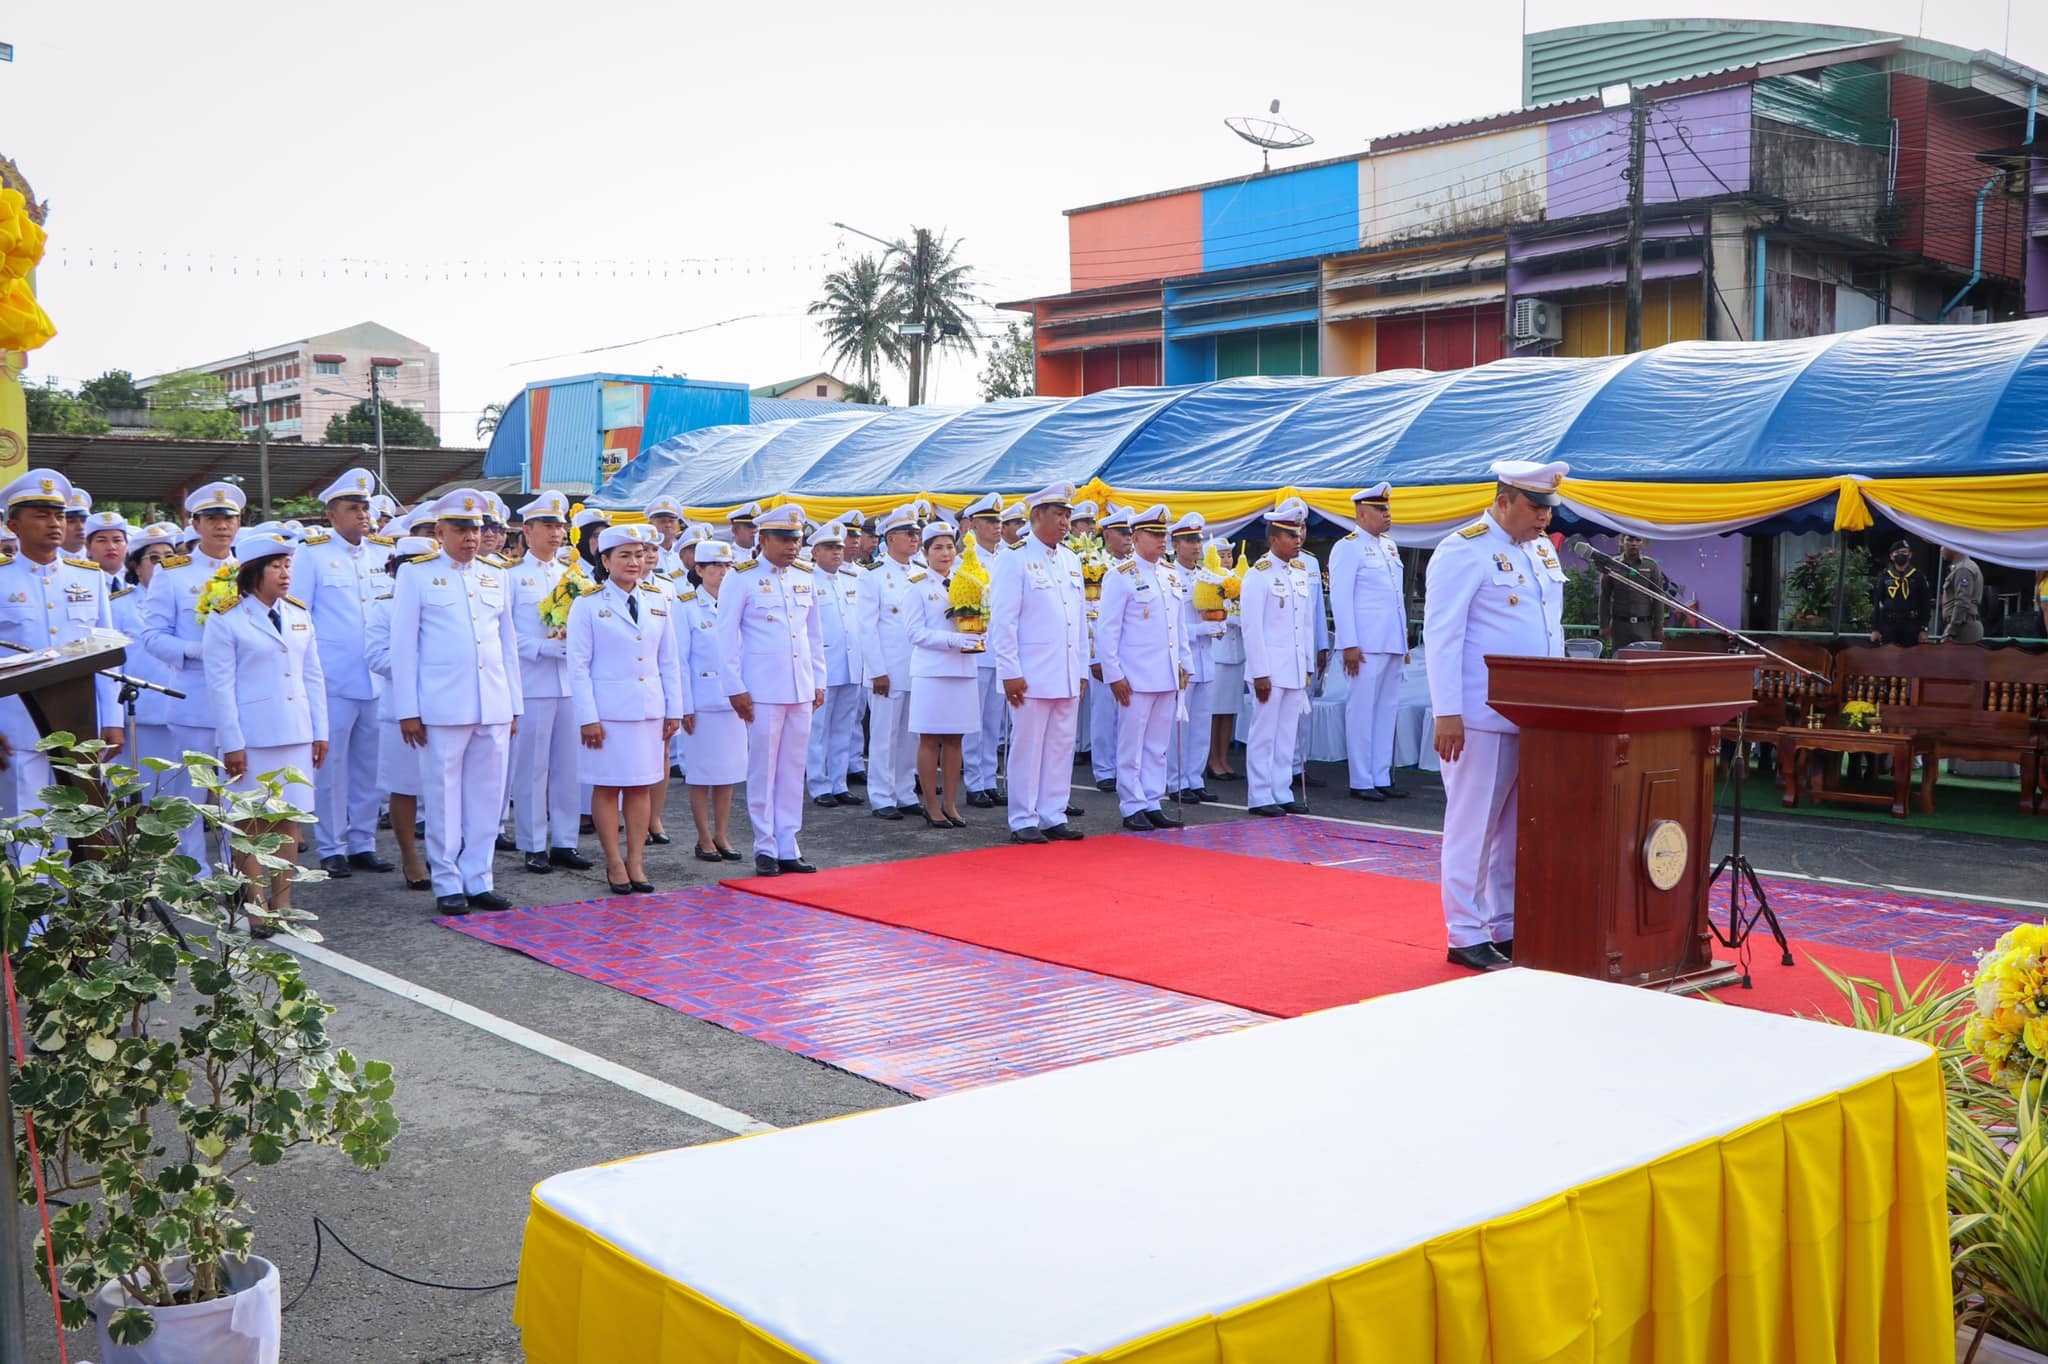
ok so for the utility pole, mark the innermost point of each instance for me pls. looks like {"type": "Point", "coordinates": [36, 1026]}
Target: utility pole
{"type": "Point", "coordinates": [262, 437]}
{"type": "Point", "coordinates": [1638, 119]}
{"type": "Point", "coordinates": [377, 415]}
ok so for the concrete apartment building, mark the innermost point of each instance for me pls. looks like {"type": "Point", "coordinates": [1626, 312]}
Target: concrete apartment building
{"type": "Point", "coordinates": [307, 381]}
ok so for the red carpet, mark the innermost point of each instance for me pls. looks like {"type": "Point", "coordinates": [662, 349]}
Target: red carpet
{"type": "Point", "coordinates": [1282, 938]}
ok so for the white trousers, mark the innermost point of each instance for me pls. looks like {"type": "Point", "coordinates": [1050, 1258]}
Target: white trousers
{"type": "Point", "coordinates": [192, 841]}
{"type": "Point", "coordinates": [859, 761]}
{"type": "Point", "coordinates": [980, 747]}
{"type": "Point", "coordinates": [1369, 720]}
{"type": "Point", "coordinates": [1104, 715]}
{"type": "Point", "coordinates": [834, 728]}
{"type": "Point", "coordinates": [1042, 761]}
{"type": "Point", "coordinates": [1143, 734]}
{"type": "Point", "coordinates": [1478, 872]}
{"type": "Point", "coordinates": [345, 794]}
{"type": "Point", "coordinates": [545, 783]}
{"type": "Point", "coordinates": [1189, 760]}
{"type": "Point", "coordinates": [776, 744]}
{"type": "Point", "coordinates": [1269, 748]}
{"type": "Point", "coordinates": [462, 791]}
{"type": "Point", "coordinates": [892, 749]}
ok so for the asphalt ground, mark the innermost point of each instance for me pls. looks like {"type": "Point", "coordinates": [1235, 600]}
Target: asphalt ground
{"type": "Point", "coordinates": [485, 1118]}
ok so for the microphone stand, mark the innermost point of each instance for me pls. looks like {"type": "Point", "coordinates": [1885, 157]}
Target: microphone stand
{"type": "Point", "coordinates": [1741, 923]}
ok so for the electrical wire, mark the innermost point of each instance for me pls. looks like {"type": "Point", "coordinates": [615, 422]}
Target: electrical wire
{"type": "Point", "coordinates": [321, 1232]}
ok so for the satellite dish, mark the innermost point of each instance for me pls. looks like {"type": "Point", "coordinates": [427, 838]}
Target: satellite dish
{"type": "Point", "coordinates": [1268, 133]}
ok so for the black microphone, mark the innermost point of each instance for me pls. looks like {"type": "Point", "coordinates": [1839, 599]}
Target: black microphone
{"type": "Point", "coordinates": [1602, 558]}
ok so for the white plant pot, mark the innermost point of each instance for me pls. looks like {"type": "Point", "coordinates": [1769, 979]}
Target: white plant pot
{"type": "Point", "coordinates": [242, 1327]}
{"type": "Point", "coordinates": [1992, 1350]}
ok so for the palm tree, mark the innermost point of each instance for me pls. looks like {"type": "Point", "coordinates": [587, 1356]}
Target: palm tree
{"type": "Point", "coordinates": [932, 289]}
{"type": "Point", "coordinates": [860, 320]}
{"type": "Point", "coordinates": [487, 420]}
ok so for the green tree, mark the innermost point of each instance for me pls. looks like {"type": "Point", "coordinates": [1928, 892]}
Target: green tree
{"type": "Point", "coordinates": [1012, 370]}
{"type": "Point", "coordinates": [487, 420]}
{"type": "Point", "coordinates": [861, 316]}
{"type": "Point", "coordinates": [858, 392]}
{"type": "Point", "coordinates": [58, 412]}
{"type": "Point", "coordinates": [114, 391]}
{"type": "Point", "coordinates": [358, 426]}
{"type": "Point", "coordinates": [931, 288]}
{"type": "Point", "coordinates": [194, 406]}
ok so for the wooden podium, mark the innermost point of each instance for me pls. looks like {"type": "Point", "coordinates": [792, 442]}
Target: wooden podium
{"type": "Point", "coordinates": [60, 693]}
{"type": "Point", "coordinates": [1616, 808]}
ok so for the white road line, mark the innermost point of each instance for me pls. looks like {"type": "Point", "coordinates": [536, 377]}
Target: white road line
{"type": "Point", "coordinates": [646, 1086]}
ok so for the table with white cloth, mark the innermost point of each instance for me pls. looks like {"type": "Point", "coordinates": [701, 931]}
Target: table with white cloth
{"type": "Point", "coordinates": [1640, 1176]}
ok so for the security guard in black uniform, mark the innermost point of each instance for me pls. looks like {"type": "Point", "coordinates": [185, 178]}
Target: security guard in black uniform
{"type": "Point", "coordinates": [1629, 615]}
{"type": "Point", "coordinates": [1901, 600]}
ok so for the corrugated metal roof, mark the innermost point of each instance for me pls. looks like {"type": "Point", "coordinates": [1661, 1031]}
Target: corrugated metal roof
{"type": "Point", "coordinates": [782, 409]}
{"type": "Point", "coordinates": [150, 469]}
{"type": "Point", "coordinates": [1567, 63]}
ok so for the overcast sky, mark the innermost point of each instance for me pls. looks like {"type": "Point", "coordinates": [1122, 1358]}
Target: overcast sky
{"type": "Point", "coordinates": [219, 175]}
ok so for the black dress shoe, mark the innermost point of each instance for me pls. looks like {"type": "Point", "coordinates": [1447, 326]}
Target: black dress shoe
{"type": "Point", "coordinates": [731, 855]}
{"type": "Point", "coordinates": [1075, 812]}
{"type": "Point", "coordinates": [981, 800]}
{"type": "Point", "coordinates": [1137, 823]}
{"type": "Point", "coordinates": [585, 826]}
{"type": "Point", "coordinates": [505, 844]}
{"type": "Point", "coordinates": [888, 812]}
{"type": "Point", "coordinates": [640, 887]}
{"type": "Point", "coordinates": [369, 861]}
{"type": "Point", "coordinates": [1296, 807]}
{"type": "Point", "coordinates": [660, 840]}
{"type": "Point", "coordinates": [1394, 792]}
{"type": "Point", "coordinates": [912, 808]}
{"type": "Point", "coordinates": [708, 855]}
{"type": "Point", "coordinates": [1506, 947]}
{"type": "Point", "coordinates": [856, 779]}
{"type": "Point", "coordinates": [1028, 836]}
{"type": "Point", "coordinates": [1106, 784]}
{"type": "Point", "coordinates": [490, 900]}
{"type": "Point", "coordinates": [1204, 793]}
{"type": "Point", "coordinates": [569, 857]}
{"type": "Point", "coordinates": [1159, 819]}
{"type": "Point", "coordinates": [1366, 793]}
{"type": "Point", "coordinates": [765, 865]}
{"type": "Point", "coordinates": [675, 772]}
{"type": "Point", "coordinates": [1207, 775]}
{"type": "Point", "coordinates": [538, 864]}
{"type": "Point", "coordinates": [411, 884]}
{"type": "Point", "coordinates": [336, 867]}
{"type": "Point", "coordinates": [795, 864]}
{"type": "Point", "coordinates": [828, 802]}
{"type": "Point", "coordinates": [452, 904]}
{"type": "Point", "coordinates": [1060, 833]}
{"type": "Point", "coordinates": [1480, 957]}
{"type": "Point", "coordinates": [1315, 783]}
{"type": "Point", "coordinates": [1189, 795]}
{"type": "Point", "coordinates": [1267, 811]}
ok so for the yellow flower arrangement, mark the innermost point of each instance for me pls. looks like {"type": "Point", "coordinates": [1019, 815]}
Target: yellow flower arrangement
{"type": "Point", "coordinates": [1858, 715]}
{"type": "Point", "coordinates": [967, 596]}
{"type": "Point", "coordinates": [1094, 563]}
{"type": "Point", "coordinates": [219, 594]}
{"type": "Point", "coordinates": [554, 608]}
{"type": "Point", "coordinates": [2008, 1028]}
{"type": "Point", "coordinates": [1215, 588]}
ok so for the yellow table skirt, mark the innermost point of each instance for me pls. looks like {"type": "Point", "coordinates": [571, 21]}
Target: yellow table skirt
{"type": "Point", "coordinates": [1816, 1235]}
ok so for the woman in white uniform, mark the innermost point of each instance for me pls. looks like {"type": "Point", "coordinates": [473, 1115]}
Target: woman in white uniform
{"type": "Point", "coordinates": [715, 746]}
{"type": "Point", "coordinates": [149, 548]}
{"type": "Point", "coordinates": [944, 703]}
{"type": "Point", "coordinates": [269, 697]}
{"type": "Point", "coordinates": [626, 686]}
{"type": "Point", "coordinates": [1226, 687]}
{"type": "Point", "coordinates": [398, 762]}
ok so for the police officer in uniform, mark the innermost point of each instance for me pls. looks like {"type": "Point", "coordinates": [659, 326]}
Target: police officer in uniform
{"type": "Point", "coordinates": [1901, 600]}
{"type": "Point", "coordinates": [545, 760]}
{"type": "Point", "coordinates": [1962, 598]}
{"type": "Point", "coordinates": [771, 649]}
{"type": "Point", "coordinates": [884, 614]}
{"type": "Point", "coordinates": [1278, 604]}
{"type": "Point", "coordinates": [454, 668]}
{"type": "Point", "coordinates": [1141, 639]}
{"type": "Point", "coordinates": [837, 724]}
{"type": "Point", "coordinates": [1369, 600]}
{"type": "Point", "coordinates": [1629, 615]}
{"type": "Point", "coordinates": [1494, 587]}
{"type": "Point", "coordinates": [1037, 631]}
{"type": "Point", "coordinates": [339, 572]}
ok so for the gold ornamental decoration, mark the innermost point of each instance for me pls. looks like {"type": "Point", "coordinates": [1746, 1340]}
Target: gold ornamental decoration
{"type": "Point", "coordinates": [1665, 854]}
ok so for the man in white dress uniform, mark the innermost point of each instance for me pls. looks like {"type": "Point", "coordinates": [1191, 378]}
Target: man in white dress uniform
{"type": "Point", "coordinates": [338, 573]}
{"type": "Point", "coordinates": [1370, 602]}
{"type": "Point", "coordinates": [1494, 587]}
{"type": "Point", "coordinates": [1015, 525]}
{"type": "Point", "coordinates": [771, 650]}
{"type": "Point", "coordinates": [1279, 657]}
{"type": "Point", "coordinates": [1098, 711]}
{"type": "Point", "coordinates": [1037, 631]}
{"type": "Point", "coordinates": [1141, 638]}
{"type": "Point", "coordinates": [1190, 758]}
{"type": "Point", "coordinates": [545, 772]}
{"type": "Point", "coordinates": [455, 678]}
{"type": "Point", "coordinates": [980, 747]}
{"type": "Point", "coordinates": [746, 545]}
{"type": "Point", "coordinates": [836, 726]}
{"type": "Point", "coordinates": [885, 616]}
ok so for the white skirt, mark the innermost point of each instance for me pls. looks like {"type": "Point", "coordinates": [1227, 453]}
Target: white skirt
{"type": "Point", "coordinates": [716, 754]}
{"type": "Point", "coordinates": [1227, 686]}
{"type": "Point", "coordinates": [632, 755]}
{"type": "Point", "coordinates": [944, 705]}
{"type": "Point", "coordinates": [297, 795]}
{"type": "Point", "coordinates": [398, 762]}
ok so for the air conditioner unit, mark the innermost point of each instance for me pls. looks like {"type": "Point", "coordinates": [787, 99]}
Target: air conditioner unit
{"type": "Point", "coordinates": [1537, 319]}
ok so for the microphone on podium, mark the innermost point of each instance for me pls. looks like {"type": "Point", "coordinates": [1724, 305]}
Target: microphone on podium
{"type": "Point", "coordinates": [1602, 558]}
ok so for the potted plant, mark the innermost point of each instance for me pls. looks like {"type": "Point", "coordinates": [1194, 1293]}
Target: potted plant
{"type": "Point", "coordinates": [169, 1055]}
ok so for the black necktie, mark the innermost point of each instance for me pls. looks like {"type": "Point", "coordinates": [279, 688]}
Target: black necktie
{"type": "Point", "coordinates": [633, 610]}
{"type": "Point", "coordinates": [276, 621]}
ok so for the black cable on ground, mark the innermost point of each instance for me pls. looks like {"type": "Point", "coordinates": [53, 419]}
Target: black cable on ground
{"type": "Point", "coordinates": [321, 1231]}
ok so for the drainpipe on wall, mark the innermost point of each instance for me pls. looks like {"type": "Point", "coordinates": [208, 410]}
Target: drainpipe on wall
{"type": "Point", "coordinates": [1756, 326]}
{"type": "Point", "coordinates": [1976, 251]}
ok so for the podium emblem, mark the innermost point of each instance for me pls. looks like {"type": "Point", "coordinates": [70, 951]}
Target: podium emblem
{"type": "Point", "coordinates": [1665, 853]}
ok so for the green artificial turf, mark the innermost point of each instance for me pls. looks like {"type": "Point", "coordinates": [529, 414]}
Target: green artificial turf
{"type": "Point", "coordinates": [1971, 805]}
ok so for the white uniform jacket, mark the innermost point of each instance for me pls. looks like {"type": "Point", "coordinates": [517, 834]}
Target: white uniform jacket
{"type": "Point", "coordinates": [1279, 634]}
{"type": "Point", "coordinates": [46, 605]}
{"type": "Point", "coordinates": [1487, 595]}
{"type": "Point", "coordinates": [697, 640]}
{"type": "Point", "coordinates": [838, 608]}
{"type": "Point", "coordinates": [621, 668]}
{"type": "Point", "coordinates": [882, 603]}
{"type": "Point", "coordinates": [377, 651]}
{"type": "Point", "coordinates": [151, 707]}
{"type": "Point", "coordinates": [1367, 596]}
{"type": "Point", "coordinates": [339, 581]}
{"type": "Point", "coordinates": [268, 687]}
{"type": "Point", "coordinates": [938, 648]}
{"type": "Point", "coordinates": [1140, 633]}
{"type": "Point", "coordinates": [453, 650]}
{"type": "Point", "coordinates": [770, 643]}
{"type": "Point", "coordinates": [1038, 619]}
{"type": "Point", "coordinates": [171, 630]}
{"type": "Point", "coordinates": [543, 662]}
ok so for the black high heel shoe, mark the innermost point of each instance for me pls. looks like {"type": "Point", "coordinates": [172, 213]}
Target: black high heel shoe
{"type": "Point", "coordinates": [709, 855]}
{"type": "Point", "coordinates": [411, 884]}
{"type": "Point", "coordinates": [940, 823]}
{"type": "Point", "coordinates": [641, 887]}
{"type": "Point", "coordinates": [731, 855]}
{"type": "Point", "coordinates": [659, 840]}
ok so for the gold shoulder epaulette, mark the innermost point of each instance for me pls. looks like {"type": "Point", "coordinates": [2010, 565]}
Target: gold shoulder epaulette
{"type": "Point", "coordinates": [122, 592]}
{"type": "Point", "coordinates": [296, 602]}
{"type": "Point", "coordinates": [424, 558]}
{"type": "Point", "coordinates": [383, 596]}
{"type": "Point", "coordinates": [690, 595]}
{"type": "Point", "coordinates": [748, 567]}
{"type": "Point", "coordinates": [799, 563]}
{"type": "Point", "coordinates": [386, 540]}
{"type": "Point", "coordinates": [650, 587]}
{"type": "Point", "coordinates": [916, 577]}
{"type": "Point", "coordinates": [1352, 536]}
{"type": "Point", "coordinates": [175, 561]}
{"type": "Point", "coordinates": [1265, 561]}
{"type": "Point", "coordinates": [82, 563]}
{"type": "Point", "coordinates": [319, 537]}
{"type": "Point", "coordinates": [1473, 531]}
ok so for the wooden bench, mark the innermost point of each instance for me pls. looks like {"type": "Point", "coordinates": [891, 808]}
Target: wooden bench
{"type": "Point", "coordinates": [1978, 702]}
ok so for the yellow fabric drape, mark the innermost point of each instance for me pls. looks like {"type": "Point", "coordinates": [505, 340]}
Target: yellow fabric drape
{"type": "Point", "coordinates": [1815, 1236]}
{"type": "Point", "coordinates": [2005, 502]}
{"type": "Point", "coordinates": [1682, 504]}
